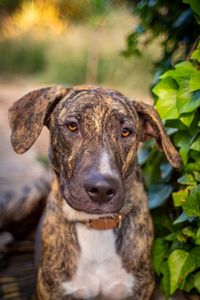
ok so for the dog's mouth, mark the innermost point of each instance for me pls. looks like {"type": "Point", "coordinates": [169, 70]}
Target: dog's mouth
{"type": "Point", "coordinates": [89, 207]}
{"type": "Point", "coordinates": [96, 211]}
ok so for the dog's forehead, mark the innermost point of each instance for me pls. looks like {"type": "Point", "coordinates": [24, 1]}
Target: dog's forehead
{"type": "Point", "coordinates": [94, 102]}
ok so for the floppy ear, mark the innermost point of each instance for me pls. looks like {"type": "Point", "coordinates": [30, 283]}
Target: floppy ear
{"type": "Point", "coordinates": [28, 115]}
{"type": "Point", "coordinates": [152, 127]}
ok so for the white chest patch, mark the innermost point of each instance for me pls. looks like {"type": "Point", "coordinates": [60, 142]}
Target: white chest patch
{"type": "Point", "coordinates": [99, 271]}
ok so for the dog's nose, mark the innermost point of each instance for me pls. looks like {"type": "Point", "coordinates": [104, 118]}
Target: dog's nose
{"type": "Point", "coordinates": [101, 188]}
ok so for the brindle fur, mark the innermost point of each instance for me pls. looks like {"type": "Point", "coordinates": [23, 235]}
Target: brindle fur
{"type": "Point", "coordinates": [100, 115]}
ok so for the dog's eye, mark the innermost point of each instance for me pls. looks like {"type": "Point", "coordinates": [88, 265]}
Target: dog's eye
{"type": "Point", "coordinates": [125, 132]}
{"type": "Point", "coordinates": [72, 126]}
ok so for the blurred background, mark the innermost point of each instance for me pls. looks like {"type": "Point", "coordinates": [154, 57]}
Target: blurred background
{"type": "Point", "coordinates": [71, 42]}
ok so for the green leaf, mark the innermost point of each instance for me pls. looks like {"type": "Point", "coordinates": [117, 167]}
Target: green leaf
{"type": "Point", "coordinates": [187, 119]}
{"type": "Point", "coordinates": [197, 240]}
{"type": "Point", "coordinates": [187, 179]}
{"type": "Point", "coordinates": [197, 176]}
{"type": "Point", "coordinates": [166, 169]}
{"type": "Point", "coordinates": [170, 237]}
{"type": "Point", "coordinates": [196, 54]}
{"type": "Point", "coordinates": [180, 197]}
{"type": "Point", "coordinates": [183, 218]}
{"type": "Point", "coordinates": [193, 167]}
{"type": "Point", "coordinates": [195, 4]}
{"type": "Point", "coordinates": [183, 71]}
{"type": "Point", "coordinates": [184, 97]}
{"type": "Point", "coordinates": [188, 101]}
{"type": "Point", "coordinates": [188, 232]}
{"type": "Point", "coordinates": [160, 252]}
{"type": "Point", "coordinates": [196, 144]}
{"type": "Point", "coordinates": [142, 155]}
{"type": "Point", "coordinates": [183, 140]}
{"type": "Point", "coordinates": [195, 254]}
{"type": "Point", "coordinates": [158, 194]}
{"type": "Point", "coordinates": [165, 281]}
{"type": "Point", "coordinates": [197, 281]}
{"type": "Point", "coordinates": [195, 81]}
{"type": "Point", "coordinates": [189, 283]}
{"type": "Point", "coordinates": [192, 205]}
{"type": "Point", "coordinates": [181, 263]}
{"type": "Point", "coordinates": [166, 90]}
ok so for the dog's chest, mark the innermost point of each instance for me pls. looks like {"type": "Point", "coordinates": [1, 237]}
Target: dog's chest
{"type": "Point", "coordinates": [99, 270]}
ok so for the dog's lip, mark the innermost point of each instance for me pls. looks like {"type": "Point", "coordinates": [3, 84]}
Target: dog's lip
{"type": "Point", "coordinates": [96, 211]}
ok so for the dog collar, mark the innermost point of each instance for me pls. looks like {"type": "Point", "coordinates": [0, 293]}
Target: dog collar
{"type": "Point", "coordinates": [105, 223]}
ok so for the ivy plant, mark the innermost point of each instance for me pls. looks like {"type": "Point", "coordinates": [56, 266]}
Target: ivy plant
{"type": "Point", "coordinates": [174, 195]}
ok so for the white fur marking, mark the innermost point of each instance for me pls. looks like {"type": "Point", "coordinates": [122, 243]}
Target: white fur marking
{"type": "Point", "coordinates": [104, 164]}
{"type": "Point", "coordinates": [99, 270]}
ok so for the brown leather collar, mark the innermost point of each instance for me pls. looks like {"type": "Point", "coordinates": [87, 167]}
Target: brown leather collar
{"type": "Point", "coordinates": [105, 223]}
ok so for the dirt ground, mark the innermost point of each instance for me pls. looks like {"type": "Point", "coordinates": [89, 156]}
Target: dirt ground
{"type": "Point", "coordinates": [16, 170]}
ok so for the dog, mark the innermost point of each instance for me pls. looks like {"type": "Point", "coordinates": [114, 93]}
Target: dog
{"type": "Point", "coordinates": [97, 232]}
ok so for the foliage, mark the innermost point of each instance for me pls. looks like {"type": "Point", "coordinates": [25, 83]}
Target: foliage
{"type": "Point", "coordinates": [176, 215]}
{"type": "Point", "coordinates": [174, 195]}
{"type": "Point", "coordinates": [171, 22]}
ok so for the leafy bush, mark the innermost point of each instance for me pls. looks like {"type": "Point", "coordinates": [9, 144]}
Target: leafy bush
{"type": "Point", "coordinates": [176, 251]}
{"type": "Point", "coordinates": [174, 195]}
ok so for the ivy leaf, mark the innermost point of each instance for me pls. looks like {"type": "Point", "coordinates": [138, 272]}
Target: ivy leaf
{"type": "Point", "coordinates": [183, 140]}
{"type": "Point", "coordinates": [160, 252]}
{"type": "Point", "coordinates": [197, 176]}
{"type": "Point", "coordinates": [187, 179]}
{"type": "Point", "coordinates": [197, 240]}
{"type": "Point", "coordinates": [195, 253]}
{"type": "Point", "coordinates": [189, 284]}
{"type": "Point", "coordinates": [196, 54]}
{"type": "Point", "coordinates": [183, 71]}
{"type": "Point", "coordinates": [195, 4]}
{"type": "Point", "coordinates": [166, 170]}
{"type": "Point", "coordinates": [180, 197]}
{"type": "Point", "coordinates": [196, 144]}
{"type": "Point", "coordinates": [142, 155]}
{"type": "Point", "coordinates": [158, 194]}
{"type": "Point", "coordinates": [183, 218]}
{"type": "Point", "coordinates": [191, 103]}
{"type": "Point", "coordinates": [165, 281]}
{"type": "Point", "coordinates": [184, 97]}
{"type": "Point", "coordinates": [181, 263]}
{"type": "Point", "coordinates": [195, 81]}
{"type": "Point", "coordinates": [188, 232]}
{"type": "Point", "coordinates": [192, 205]}
{"type": "Point", "coordinates": [197, 281]}
{"type": "Point", "coordinates": [166, 90]}
{"type": "Point", "coordinates": [187, 119]}
{"type": "Point", "coordinates": [191, 167]}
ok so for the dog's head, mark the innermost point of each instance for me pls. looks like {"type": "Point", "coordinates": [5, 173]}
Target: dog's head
{"type": "Point", "coordinates": [94, 137]}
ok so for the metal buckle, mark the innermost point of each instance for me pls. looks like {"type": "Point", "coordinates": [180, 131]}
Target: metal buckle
{"type": "Point", "coordinates": [119, 220]}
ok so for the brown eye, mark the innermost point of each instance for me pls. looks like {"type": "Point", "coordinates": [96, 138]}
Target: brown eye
{"type": "Point", "coordinates": [72, 126]}
{"type": "Point", "coordinates": [126, 132]}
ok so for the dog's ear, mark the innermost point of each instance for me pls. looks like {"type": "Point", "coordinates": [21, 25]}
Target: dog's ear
{"type": "Point", "coordinates": [28, 115]}
{"type": "Point", "coordinates": [152, 127]}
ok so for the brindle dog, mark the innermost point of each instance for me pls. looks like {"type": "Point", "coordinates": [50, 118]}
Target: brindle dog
{"type": "Point", "coordinates": [97, 232]}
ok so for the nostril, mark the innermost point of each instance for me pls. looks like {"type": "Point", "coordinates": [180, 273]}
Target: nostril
{"type": "Point", "coordinates": [110, 193]}
{"type": "Point", "coordinates": [93, 191]}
